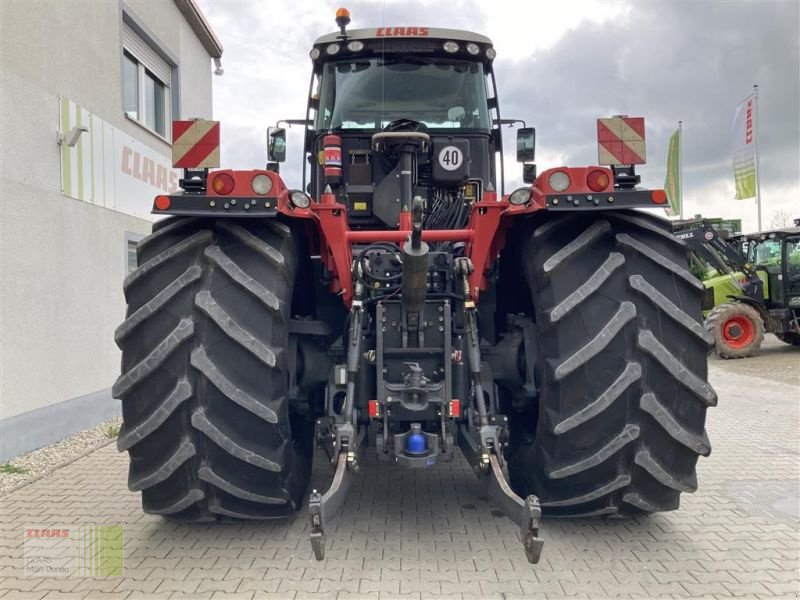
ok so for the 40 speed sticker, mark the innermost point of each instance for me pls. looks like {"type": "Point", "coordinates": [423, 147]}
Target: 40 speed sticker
{"type": "Point", "coordinates": [450, 158]}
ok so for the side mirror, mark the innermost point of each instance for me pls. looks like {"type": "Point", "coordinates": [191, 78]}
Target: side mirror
{"type": "Point", "coordinates": [526, 144]}
{"type": "Point", "coordinates": [276, 144]}
{"type": "Point", "coordinates": [529, 173]}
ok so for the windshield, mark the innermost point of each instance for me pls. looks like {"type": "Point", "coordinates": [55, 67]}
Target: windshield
{"type": "Point", "coordinates": [768, 253]}
{"type": "Point", "coordinates": [370, 93]}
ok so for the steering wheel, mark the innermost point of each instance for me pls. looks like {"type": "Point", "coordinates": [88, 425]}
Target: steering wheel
{"type": "Point", "coordinates": [405, 125]}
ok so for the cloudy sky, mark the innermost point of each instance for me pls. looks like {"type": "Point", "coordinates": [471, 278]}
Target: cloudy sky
{"type": "Point", "coordinates": [559, 66]}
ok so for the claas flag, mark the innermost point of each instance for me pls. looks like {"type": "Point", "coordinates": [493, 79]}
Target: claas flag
{"type": "Point", "coordinates": [744, 149]}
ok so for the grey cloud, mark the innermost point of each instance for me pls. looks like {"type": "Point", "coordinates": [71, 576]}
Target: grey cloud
{"type": "Point", "coordinates": [693, 61]}
{"type": "Point", "coordinates": [669, 61]}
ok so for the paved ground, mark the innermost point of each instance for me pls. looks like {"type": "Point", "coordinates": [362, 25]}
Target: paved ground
{"type": "Point", "coordinates": [429, 534]}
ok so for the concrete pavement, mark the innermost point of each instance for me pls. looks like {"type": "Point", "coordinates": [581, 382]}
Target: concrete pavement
{"type": "Point", "coordinates": [430, 534]}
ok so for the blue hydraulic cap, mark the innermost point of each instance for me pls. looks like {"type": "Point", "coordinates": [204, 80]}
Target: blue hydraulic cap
{"type": "Point", "coordinates": [416, 442]}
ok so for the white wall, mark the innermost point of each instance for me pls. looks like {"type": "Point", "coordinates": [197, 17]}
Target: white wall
{"type": "Point", "coordinates": [62, 261]}
{"type": "Point", "coordinates": [195, 75]}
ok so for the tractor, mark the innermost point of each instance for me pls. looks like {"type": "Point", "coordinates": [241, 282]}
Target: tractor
{"type": "Point", "coordinates": [400, 302]}
{"type": "Point", "coordinates": [755, 288]}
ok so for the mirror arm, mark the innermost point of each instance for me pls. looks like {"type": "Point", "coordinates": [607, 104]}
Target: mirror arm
{"type": "Point", "coordinates": [290, 122]}
{"type": "Point", "coordinates": [509, 122]}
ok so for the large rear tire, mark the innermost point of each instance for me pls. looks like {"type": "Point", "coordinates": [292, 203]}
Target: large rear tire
{"type": "Point", "coordinates": [204, 380]}
{"type": "Point", "coordinates": [622, 369]}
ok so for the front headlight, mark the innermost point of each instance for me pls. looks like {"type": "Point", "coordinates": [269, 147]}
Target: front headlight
{"type": "Point", "coordinates": [520, 196]}
{"type": "Point", "coordinates": [299, 199]}
{"type": "Point", "coordinates": [261, 184]}
{"type": "Point", "coordinates": [558, 181]}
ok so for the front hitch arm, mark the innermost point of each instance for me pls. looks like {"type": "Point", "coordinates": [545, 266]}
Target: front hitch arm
{"type": "Point", "coordinates": [321, 506]}
{"type": "Point", "coordinates": [347, 438]}
{"type": "Point", "coordinates": [525, 513]}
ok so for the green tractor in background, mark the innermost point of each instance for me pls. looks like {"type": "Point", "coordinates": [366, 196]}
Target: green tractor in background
{"type": "Point", "coordinates": [752, 285]}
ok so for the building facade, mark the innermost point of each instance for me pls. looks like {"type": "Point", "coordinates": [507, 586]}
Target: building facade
{"type": "Point", "coordinates": [88, 91]}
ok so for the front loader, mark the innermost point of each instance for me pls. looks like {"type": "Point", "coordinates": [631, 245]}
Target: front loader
{"type": "Point", "coordinates": [756, 289]}
{"type": "Point", "coordinates": [400, 302]}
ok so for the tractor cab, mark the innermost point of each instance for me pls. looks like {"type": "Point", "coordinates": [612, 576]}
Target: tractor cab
{"type": "Point", "coordinates": [395, 107]}
{"type": "Point", "coordinates": [776, 255]}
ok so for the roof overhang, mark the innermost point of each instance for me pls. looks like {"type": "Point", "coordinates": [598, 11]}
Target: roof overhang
{"type": "Point", "coordinates": [426, 42]}
{"type": "Point", "coordinates": [200, 26]}
{"type": "Point", "coordinates": [760, 236]}
{"type": "Point", "coordinates": [387, 33]}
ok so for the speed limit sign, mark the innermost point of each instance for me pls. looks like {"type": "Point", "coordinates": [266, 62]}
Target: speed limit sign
{"type": "Point", "coordinates": [450, 158]}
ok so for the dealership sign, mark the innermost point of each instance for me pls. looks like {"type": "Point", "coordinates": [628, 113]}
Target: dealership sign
{"type": "Point", "coordinates": [109, 168]}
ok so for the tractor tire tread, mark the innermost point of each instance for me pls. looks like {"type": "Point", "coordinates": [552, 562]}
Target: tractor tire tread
{"type": "Point", "coordinates": [206, 420]}
{"type": "Point", "coordinates": [618, 319]}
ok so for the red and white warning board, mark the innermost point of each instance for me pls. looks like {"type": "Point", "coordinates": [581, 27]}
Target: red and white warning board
{"type": "Point", "coordinates": [195, 144]}
{"type": "Point", "coordinates": [620, 141]}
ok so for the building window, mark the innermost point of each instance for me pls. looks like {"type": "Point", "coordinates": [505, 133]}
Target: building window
{"type": "Point", "coordinates": [146, 77]}
{"type": "Point", "coordinates": [145, 96]}
{"type": "Point", "coordinates": [155, 98]}
{"type": "Point", "coordinates": [130, 86]}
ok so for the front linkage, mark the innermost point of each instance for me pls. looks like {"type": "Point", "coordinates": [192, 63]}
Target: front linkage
{"type": "Point", "coordinates": [481, 437]}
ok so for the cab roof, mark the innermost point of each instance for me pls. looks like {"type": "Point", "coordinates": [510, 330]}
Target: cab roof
{"type": "Point", "coordinates": [391, 33]}
{"type": "Point", "coordinates": [765, 235]}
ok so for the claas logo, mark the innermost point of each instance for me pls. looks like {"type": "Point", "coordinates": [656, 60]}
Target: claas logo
{"type": "Point", "coordinates": [401, 31]}
{"type": "Point", "coordinates": [47, 533]}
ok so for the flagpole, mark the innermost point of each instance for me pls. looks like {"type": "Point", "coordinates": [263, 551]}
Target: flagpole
{"type": "Point", "coordinates": [680, 166]}
{"type": "Point", "coordinates": [755, 146]}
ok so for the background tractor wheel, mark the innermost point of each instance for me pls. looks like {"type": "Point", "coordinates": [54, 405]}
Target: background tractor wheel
{"type": "Point", "coordinates": [203, 385]}
{"type": "Point", "coordinates": [621, 368]}
{"type": "Point", "coordinates": [737, 328]}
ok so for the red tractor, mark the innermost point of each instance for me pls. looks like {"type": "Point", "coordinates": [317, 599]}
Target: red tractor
{"type": "Point", "coordinates": [396, 301]}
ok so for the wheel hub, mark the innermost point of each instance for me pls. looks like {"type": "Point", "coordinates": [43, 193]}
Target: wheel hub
{"type": "Point", "coordinates": [738, 331]}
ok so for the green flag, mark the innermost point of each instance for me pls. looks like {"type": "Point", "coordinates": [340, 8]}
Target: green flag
{"type": "Point", "coordinates": [672, 185]}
